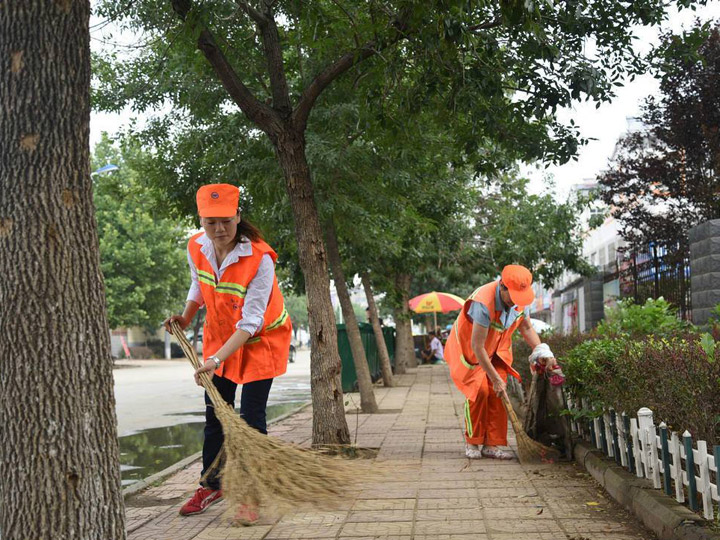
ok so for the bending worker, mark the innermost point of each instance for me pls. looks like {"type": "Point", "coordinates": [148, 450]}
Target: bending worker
{"type": "Point", "coordinates": [479, 354]}
{"type": "Point", "coordinates": [247, 332]}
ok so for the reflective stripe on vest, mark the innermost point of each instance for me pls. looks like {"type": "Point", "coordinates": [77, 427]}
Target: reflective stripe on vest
{"type": "Point", "coordinates": [462, 356]}
{"type": "Point", "coordinates": [206, 277]}
{"type": "Point", "coordinates": [228, 287]}
{"type": "Point", "coordinates": [277, 323]}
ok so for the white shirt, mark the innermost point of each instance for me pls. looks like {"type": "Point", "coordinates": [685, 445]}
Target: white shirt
{"type": "Point", "coordinates": [436, 347]}
{"type": "Point", "coordinates": [258, 290]}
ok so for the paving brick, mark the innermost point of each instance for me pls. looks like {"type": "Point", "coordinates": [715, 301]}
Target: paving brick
{"type": "Point", "coordinates": [523, 526]}
{"type": "Point", "coordinates": [313, 518]}
{"type": "Point", "coordinates": [375, 537]}
{"type": "Point", "coordinates": [377, 530]}
{"type": "Point", "coordinates": [283, 532]}
{"type": "Point", "coordinates": [591, 526]}
{"type": "Point", "coordinates": [372, 516]}
{"type": "Point", "coordinates": [459, 504]}
{"type": "Point", "coordinates": [433, 528]}
{"type": "Point", "coordinates": [384, 504]}
{"type": "Point", "coordinates": [462, 493]}
{"type": "Point", "coordinates": [474, 536]}
{"type": "Point", "coordinates": [449, 514]}
{"type": "Point", "coordinates": [235, 533]}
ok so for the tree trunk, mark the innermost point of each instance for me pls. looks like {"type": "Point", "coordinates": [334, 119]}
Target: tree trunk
{"type": "Point", "coordinates": [383, 354]}
{"type": "Point", "coordinates": [367, 394]}
{"type": "Point", "coordinates": [401, 350]}
{"type": "Point", "coordinates": [329, 424]}
{"type": "Point", "coordinates": [411, 342]}
{"type": "Point", "coordinates": [59, 472]}
{"type": "Point", "coordinates": [404, 350]}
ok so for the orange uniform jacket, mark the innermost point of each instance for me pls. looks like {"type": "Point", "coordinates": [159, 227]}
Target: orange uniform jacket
{"type": "Point", "coordinates": [485, 415]}
{"type": "Point", "coordinates": [265, 355]}
{"type": "Point", "coordinates": [464, 368]}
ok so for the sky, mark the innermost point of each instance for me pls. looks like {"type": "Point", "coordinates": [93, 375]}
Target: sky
{"type": "Point", "coordinates": [608, 123]}
{"type": "Point", "coordinates": [604, 125]}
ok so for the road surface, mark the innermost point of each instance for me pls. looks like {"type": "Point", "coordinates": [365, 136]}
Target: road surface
{"type": "Point", "coordinates": [158, 393]}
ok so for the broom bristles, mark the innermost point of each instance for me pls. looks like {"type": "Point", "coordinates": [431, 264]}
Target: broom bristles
{"type": "Point", "coordinates": [263, 470]}
{"type": "Point", "coordinates": [529, 450]}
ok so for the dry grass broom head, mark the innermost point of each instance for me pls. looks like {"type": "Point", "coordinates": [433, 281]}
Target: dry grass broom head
{"type": "Point", "coordinates": [259, 469]}
{"type": "Point", "coordinates": [529, 450]}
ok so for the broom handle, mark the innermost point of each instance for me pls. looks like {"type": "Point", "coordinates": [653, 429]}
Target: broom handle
{"type": "Point", "coordinates": [192, 357]}
{"type": "Point", "coordinates": [514, 420]}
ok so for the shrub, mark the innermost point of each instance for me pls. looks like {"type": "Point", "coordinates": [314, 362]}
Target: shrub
{"type": "Point", "coordinates": [560, 344]}
{"type": "Point", "coordinates": [589, 365]}
{"type": "Point", "coordinates": [677, 377]}
{"type": "Point", "coordinates": [652, 317]}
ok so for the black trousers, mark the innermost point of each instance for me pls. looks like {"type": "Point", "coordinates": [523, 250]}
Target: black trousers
{"type": "Point", "coordinates": [253, 402]}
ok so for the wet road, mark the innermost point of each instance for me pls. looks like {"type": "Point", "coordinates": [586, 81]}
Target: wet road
{"type": "Point", "coordinates": [159, 393]}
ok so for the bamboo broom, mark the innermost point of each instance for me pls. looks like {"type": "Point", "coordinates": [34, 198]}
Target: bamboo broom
{"type": "Point", "coordinates": [529, 450]}
{"type": "Point", "coordinates": [262, 470]}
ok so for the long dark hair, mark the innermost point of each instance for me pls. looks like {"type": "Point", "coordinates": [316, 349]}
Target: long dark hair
{"type": "Point", "coordinates": [247, 229]}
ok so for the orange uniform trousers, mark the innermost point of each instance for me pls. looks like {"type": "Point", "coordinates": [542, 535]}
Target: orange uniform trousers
{"type": "Point", "coordinates": [486, 417]}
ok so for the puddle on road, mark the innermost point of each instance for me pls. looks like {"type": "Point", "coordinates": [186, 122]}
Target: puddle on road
{"type": "Point", "coordinates": [150, 451]}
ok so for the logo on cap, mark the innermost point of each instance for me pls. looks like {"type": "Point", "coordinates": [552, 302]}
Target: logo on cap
{"type": "Point", "coordinates": [214, 194]}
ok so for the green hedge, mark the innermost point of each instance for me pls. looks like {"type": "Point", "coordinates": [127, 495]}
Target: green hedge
{"type": "Point", "coordinates": [643, 356]}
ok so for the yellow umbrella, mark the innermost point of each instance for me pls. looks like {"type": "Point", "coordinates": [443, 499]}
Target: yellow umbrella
{"type": "Point", "coordinates": [434, 302]}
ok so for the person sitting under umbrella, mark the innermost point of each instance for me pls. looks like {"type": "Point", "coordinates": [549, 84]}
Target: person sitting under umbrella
{"type": "Point", "coordinates": [436, 349]}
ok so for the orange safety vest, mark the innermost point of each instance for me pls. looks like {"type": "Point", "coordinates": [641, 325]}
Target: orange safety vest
{"type": "Point", "coordinates": [264, 355]}
{"type": "Point", "coordinates": [464, 368]}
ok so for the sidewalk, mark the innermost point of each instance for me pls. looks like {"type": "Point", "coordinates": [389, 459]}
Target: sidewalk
{"type": "Point", "coordinates": [444, 496]}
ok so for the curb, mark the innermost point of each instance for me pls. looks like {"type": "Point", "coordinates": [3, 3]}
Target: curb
{"type": "Point", "coordinates": [145, 483]}
{"type": "Point", "coordinates": [668, 519]}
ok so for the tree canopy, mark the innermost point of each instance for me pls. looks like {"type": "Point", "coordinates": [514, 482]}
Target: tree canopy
{"type": "Point", "coordinates": [497, 72]}
{"type": "Point", "coordinates": [666, 176]}
{"type": "Point", "coordinates": [142, 254]}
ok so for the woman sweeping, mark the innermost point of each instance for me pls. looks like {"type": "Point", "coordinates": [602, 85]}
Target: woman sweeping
{"type": "Point", "coordinates": [247, 332]}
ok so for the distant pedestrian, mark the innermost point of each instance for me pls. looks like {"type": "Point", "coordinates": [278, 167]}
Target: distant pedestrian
{"type": "Point", "coordinates": [247, 329]}
{"type": "Point", "coordinates": [436, 349]}
{"type": "Point", "coordinates": [479, 354]}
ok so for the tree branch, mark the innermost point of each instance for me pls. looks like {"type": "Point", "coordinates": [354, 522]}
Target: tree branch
{"type": "Point", "coordinates": [273, 56]}
{"type": "Point", "coordinates": [263, 116]}
{"type": "Point", "coordinates": [329, 74]}
{"type": "Point", "coordinates": [253, 13]}
{"type": "Point", "coordinates": [352, 21]}
{"type": "Point", "coordinates": [485, 25]}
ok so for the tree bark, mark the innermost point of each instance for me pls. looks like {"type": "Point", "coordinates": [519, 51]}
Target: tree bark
{"type": "Point", "coordinates": [401, 352]}
{"type": "Point", "coordinates": [59, 472]}
{"type": "Point", "coordinates": [411, 342]}
{"type": "Point", "coordinates": [329, 424]}
{"type": "Point", "coordinates": [383, 354]}
{"type": "Point", "coordinates": [368, 404]}
{"type": "Point", "coordinates": [404, 350]}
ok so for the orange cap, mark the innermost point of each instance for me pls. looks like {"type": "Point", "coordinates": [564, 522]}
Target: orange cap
{"type": "Point", "coordinates": [218, 200]}
{"type": "Point", "coordinates": [518, 281]}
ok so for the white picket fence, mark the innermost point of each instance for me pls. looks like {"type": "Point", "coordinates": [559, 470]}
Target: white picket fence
{"type": "Point", "coordinates": [667, 459]}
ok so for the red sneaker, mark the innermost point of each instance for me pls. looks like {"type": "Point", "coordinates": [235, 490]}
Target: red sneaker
{"type": "Point", "coordinates": [201, 501]}
{"type": "Point", "coordinates": [247, 514]}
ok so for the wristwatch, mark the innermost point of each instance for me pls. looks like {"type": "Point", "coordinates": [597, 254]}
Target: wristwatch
{"type": "Point", "coordinates": [216, 360]}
